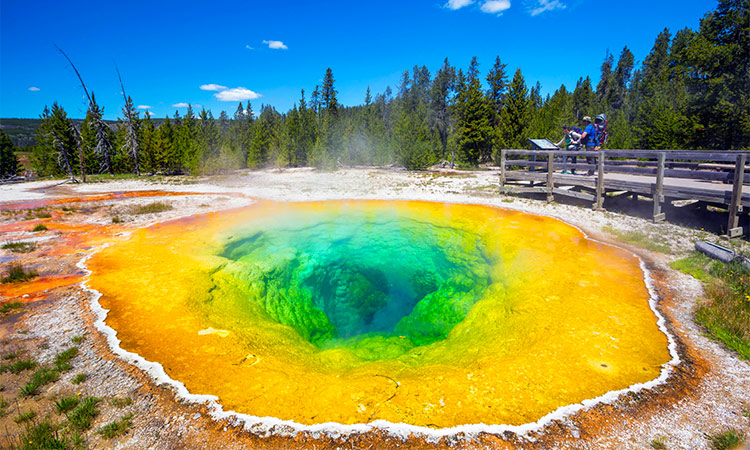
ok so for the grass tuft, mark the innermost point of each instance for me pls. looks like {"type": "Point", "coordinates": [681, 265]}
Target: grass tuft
{"type": "Point", "coordinates": [659, 443]}
{"type": "Point", "coordinates": [78, 379]}
{"type": "Point", "coordinates": [83, 415]}
{"type": "Point", "coordinates": [42, 436]}
{"type": "Point", "coordinates": [41, 377]}
{"type": "Point", "coordinates": [24, 417]}
{"type": "Point", "coordinates": [727, 440]}
{"type": "Point", "coordinates": [40, 227]}
{"type": "Point", "coordinates": [66, 404]}
{"type": "Point", "coordinates": [77, 339]}
{"type": "Point", "coordinates": [118, 402]}
{"type": "Point", "coordinates": [17, 274]}
{"type": "Point", "coordinates": [20, 247]}
{"type": "Point", "coordinates": [3, 406]}
{"type": "Point", "coordinates": [62, 360]}
{"type": "Point", "coordinates": [18, 366]}
{"type": "Point", "coordinates": [8, 307]}
{"type": "Point", "coordinates": [117, 427]}
{"type": "Point", "coordinates": [117, 219]}
{"type": "Point", "coordinates": [150, 208]}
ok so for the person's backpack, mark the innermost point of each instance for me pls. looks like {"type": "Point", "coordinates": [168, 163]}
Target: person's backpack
{"type": "Point", "coordinates": [600, 124]}
{"type": "Point", "coordinates": [577, 130]}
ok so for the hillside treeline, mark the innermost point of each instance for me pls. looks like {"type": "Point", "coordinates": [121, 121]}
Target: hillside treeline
{"type": "Point", "coordinates": [692, 91]}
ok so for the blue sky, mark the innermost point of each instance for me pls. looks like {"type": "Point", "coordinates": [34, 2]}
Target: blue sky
{"type": "Point", "coordinates": [268, 51]}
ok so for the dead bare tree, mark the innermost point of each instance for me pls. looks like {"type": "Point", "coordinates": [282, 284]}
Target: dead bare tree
{"type": "Point", "coordinates": [131, 140]}
{"type": "Point", "coordinates": [103, 145]}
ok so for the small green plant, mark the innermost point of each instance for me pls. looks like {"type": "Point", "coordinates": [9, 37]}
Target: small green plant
{"type": "Point", "coordinates": [726, 440]}
{"type": "Point", "coordinates": [62, 360]}
{"type": "Point", "coordinates": [117, 219]}
{"type": "Point", "coordinates": [8, 307]}
{"type": "Point", "coordinates": [18, 366]}
{"type": "Point", "coordinates": [20, 247]}
{"type": "Point", "coordinates": [42, 436]}
{"type": "Point", "coordinates": [118, 402]}
{"type": "Point", "coordinates": [3, 406]}
{"type": "Point", "coordinates": [43, 215]}
{"type": "Point", "coordinates": [40, 227]}
{"type": "Point", "coordinates": [78, 379]}
{"type": "Point", "coordinates": [77, 339]}
{"type": "Point", "coordinates": [17, 274]}
{"type": "Point", "coordinates": [41, 377]}
{"type": "Point", "coordinates": [24, 417]}
{"type": "Point", "coordinates": [11, 356]}
{"type": "Point", "coordinates": [150, 208]}
{"type": "Point", "coordinates": [66, 404]}
{"type": "Point", "coordinates": [659, 442]}
{"type": "Point", "coordinates": [117, 427]}
{"type": "Point", "coordinates": [83, 415]}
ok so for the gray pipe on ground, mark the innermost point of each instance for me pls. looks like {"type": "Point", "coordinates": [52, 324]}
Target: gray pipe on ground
{"type": "Point", "coordinates": [723, 254]}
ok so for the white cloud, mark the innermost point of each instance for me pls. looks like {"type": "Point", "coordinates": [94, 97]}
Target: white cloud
{"type": "Point", "coordinates": [34, 89]}
{"type": "Point", "coordinates": [212, 87]}
{"type": "Point", "coordinates": [546, 5]}
{"type": "Point", "coordinates": [276, 45]}
{"type": "Point", "coordinates": [249, 48]}
{"type": "Point", "coordinates": [457, 4]}
{"type": "Point", "coordinates": [185, 105]}
{"type": "Point", "coordinates": [496, 6]}
{"type": "Point", "coordinates": [144, 107]}
{"type": "Point", "coordinates": [237, 94]}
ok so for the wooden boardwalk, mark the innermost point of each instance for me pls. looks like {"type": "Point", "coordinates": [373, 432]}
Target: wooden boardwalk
{"type": "Point", "coordinates": [715, 178]}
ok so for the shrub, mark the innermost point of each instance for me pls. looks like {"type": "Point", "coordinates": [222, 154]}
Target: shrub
{"type": "Point", "coordinates": [16, 274]}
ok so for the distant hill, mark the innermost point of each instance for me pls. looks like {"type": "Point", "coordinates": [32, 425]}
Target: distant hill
{"type": "Point", "coordinates": [23, 131]}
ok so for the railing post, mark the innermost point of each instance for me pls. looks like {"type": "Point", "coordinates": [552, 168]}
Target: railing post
{"type": "Point", "coordinates": [733, 230]}
{"type": "Point", "coordinates": [658, 191]}
{"type": "Point", "coordinates": [599, 204]}
{"type": "Point", "coordinates": [550, 172]}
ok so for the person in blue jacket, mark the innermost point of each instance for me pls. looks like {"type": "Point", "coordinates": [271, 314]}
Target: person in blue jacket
{"type": "Point", "coordinates": [589, 141]}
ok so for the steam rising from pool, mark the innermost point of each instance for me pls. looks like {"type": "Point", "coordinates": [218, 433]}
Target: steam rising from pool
{"type": "Point", "coordinates": [429, 314]}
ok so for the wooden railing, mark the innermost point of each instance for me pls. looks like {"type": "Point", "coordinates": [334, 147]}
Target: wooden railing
{"type": "Point", "coordinates": [714, 177]}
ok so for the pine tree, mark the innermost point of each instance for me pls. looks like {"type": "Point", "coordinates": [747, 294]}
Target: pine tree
{"type": "Point", "coordinates": [516, 116]}
{"type": "Point", "coordinates": [497, 79]}
{"type": "Point", "coordinates": [8, 160]}
{"type": "Point", "coordinates": [474, 129]}
{"type": "Point", "coordinates": [57, 144]}
{"type": "Point", "coordinates": [329, 102]}
{"type": "Point", "coordinates": [440, 100]}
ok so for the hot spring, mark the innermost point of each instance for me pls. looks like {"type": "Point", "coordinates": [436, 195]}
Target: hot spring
{"type": "Point", "coordinates": [429, 314]}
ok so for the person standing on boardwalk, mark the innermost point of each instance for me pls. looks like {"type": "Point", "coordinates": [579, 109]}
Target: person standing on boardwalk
{"type": "Point", "coordinates": [589, 141]}
{"type": "Point", "coordinates": [571, 140]}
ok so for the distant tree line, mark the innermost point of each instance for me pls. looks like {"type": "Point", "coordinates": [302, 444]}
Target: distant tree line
{"type": "Point", "coordinates": [692, 91]}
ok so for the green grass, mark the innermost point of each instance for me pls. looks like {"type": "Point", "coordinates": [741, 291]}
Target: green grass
{"type": "Point", "coordinates": [727, 440]}
{"type": "Point", "coordinates": [121, 402]}
{"type": "Point", "coordinates": [66, 404]}
{"type": "Point", "coordinates": [77, 339]}
{"type": "Point", "coordinates": [43, 436]}
{"type": "Point", "coordinates": [11, 356]}
{"type": "Point", "coordinates": [24, 417]}
{"type": "Point", "coordinates": [117, 219]}
{"type": "Point", "coordinates": [117, 427]}
{"type": "Point", "coordinates": [8, 307]}
{"type": "Point", "coordinates": [62, 360]}
{"type": "Point", "coordinates": [83, 415]}
{"type": "Point", "coordinates": [725, 313]}
{"type": "Point", "coordinates": [17, 274]}
{"type": "Point", "coordinates": [78, 379]}
{"type": "Point", "coordinates": [40, 227]}
{"type": "Point", "coordinates": [150, 208]}
{"type": "Point", "coordinates": [41, 377]}
{"type": "Point", "coordinates": [20, 247]}
{"type": "Point", "coordinates": [639, 239]}
{"type": "Point", "coordinates": [43, 215]}
{"type": "Point", "coordinates": [18, 366]}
